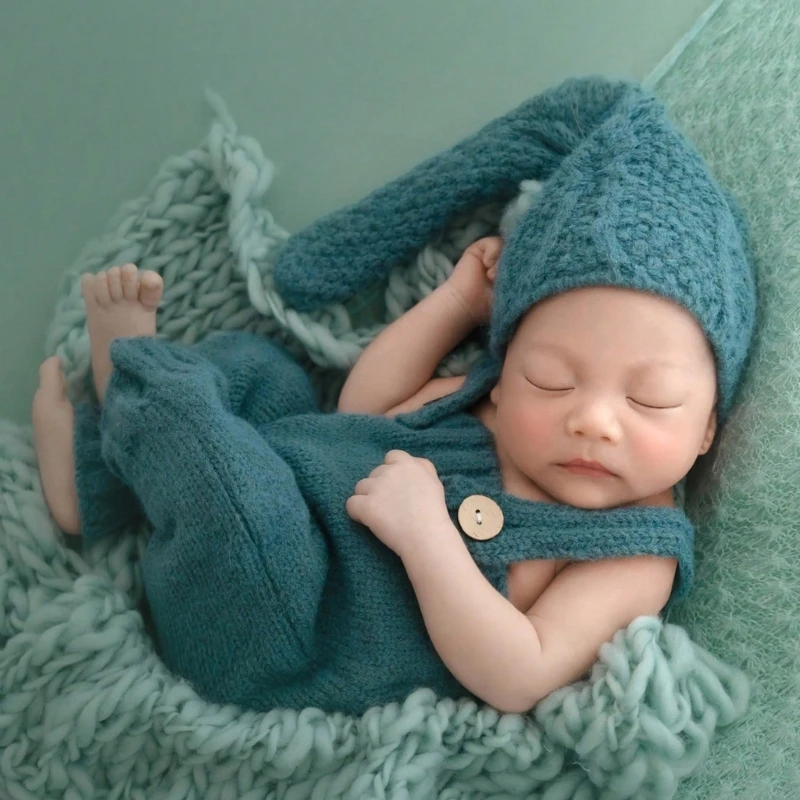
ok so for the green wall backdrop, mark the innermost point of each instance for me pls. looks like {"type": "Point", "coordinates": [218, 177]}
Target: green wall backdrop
{"type": "Point", "coordinates": [342, 94]}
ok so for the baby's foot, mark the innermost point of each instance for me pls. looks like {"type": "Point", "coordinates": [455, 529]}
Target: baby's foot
{"type": "Point", "coordinates": [120, 303]}
{"type": "Point", "coordinates": [53, 423]}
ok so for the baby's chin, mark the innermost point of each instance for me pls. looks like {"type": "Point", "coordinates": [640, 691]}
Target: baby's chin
{"type": "Point", "coordinates": [594, 498]}
{"type": "Point", "coordinates": [592, 504]}
{"type": "Point", "coordinates": [589, 495]}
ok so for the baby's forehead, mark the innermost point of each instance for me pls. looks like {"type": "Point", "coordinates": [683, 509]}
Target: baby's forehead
{"type": "Point", "coordinates": [639, 360]}
{"type": "Point", "coordinates": [611, 320]}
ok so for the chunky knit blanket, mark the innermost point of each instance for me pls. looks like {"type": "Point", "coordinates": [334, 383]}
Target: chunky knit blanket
{"type": "Point", "coordinates": [88, 710]}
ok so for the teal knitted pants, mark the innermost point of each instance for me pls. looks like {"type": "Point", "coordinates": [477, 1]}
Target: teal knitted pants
{"type": "Point", "coordinates": [178, 432]}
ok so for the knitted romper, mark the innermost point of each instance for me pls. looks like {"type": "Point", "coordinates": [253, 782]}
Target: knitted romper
{"type": "Point", "coordinates": [263, 591]}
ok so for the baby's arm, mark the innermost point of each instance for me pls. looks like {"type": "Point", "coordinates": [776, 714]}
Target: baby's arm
{"type": "Point", "coordinates": [510, 659]}
{"type": "Point", "coordinates": [399, 363]}
{"type": "Point", "coordinates": [432, 390]}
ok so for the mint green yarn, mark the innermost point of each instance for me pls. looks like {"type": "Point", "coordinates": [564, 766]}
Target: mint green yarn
{"type": "Point", "coordinates": [87, 708]}
{"type": "Point", "coordinates": [117, 717]}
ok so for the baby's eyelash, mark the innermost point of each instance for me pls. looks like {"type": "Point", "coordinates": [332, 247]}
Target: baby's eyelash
{"type": "Point", "coordinates": [631, 399]}
{"type": "Point", "coordinates": [548, 389]}
{"type": "Point", "coordinates": [657, 408]}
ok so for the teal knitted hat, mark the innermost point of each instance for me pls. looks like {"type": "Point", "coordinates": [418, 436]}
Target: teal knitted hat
{"type": "Point", "coordinates": [635, 206]}
{"type": "Point", "coordinates": [626, 201]}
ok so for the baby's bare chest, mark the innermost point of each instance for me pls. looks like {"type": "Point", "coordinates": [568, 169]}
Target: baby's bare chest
{"type": "Point", "coordinates": [527, 580]}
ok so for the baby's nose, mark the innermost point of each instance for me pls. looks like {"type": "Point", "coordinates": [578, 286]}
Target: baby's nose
{"type": "Point", "coordinates": [595, 420]}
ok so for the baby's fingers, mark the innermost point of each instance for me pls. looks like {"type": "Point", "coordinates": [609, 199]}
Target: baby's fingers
{"type": "Point", "coordinates": [355, 506]}
{"type": "Point", "coordinates": [492, 253]}
{"type": "Point", "coordinates": [363, 486]}
{"type": "Point", "coordinates": [379, 470]}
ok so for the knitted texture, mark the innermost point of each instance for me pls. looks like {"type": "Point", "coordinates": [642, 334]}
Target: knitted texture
{"type": "Point", "coordinates": [87, 707]}
{"type": "Point", "coordinates": [397, 220]}
{"type": "Point", "coordinates": [735, 93]}
{"type": "Point", "coordinates": [625, 200]}
{"type": "Point", "coordinates": [245, 486]}
{"type": "Point", "coordinates": [635, 206]}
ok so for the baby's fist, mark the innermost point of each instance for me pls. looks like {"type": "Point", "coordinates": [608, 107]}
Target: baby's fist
{"type": "Point", "coordinates": [401, 501]}
{"type": "Point", "coordinates": [474, 275]}
{"type": "Point", "coordinates": [487, 251]}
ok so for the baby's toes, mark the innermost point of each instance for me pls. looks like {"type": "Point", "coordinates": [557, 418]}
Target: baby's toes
{"type": "Point", "coordinates": [101, 291]}
{"type": "Point", "coordinates": [151, 287]}
{"type": "Point", "coordinates": [94, 289]}
{"type": "Point", "coordinates": [114, 277]}
{"type": "Point", "coordinates": [129, 275]}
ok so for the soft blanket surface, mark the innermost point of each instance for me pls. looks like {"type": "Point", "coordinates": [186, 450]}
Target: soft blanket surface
{"type": "Point", "coordinates": [87, 709]}
{"type": "Point", "coordinates": [735, 93]}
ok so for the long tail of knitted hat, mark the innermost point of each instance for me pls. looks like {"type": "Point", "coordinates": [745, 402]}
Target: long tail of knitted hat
{"type": "Point", "coordinates": [341, 253]}
{"type": "Point", "coordinates": [626, 201]}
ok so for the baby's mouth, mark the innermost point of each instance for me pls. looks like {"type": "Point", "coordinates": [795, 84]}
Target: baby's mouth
{"type": "Point", "coordinates": [591, 469]}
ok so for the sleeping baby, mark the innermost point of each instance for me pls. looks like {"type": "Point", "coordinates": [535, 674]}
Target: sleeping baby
{"type": "Point", "coordinates": [480, 536]}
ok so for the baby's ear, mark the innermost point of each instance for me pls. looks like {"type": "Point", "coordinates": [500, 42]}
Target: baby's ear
{"type": "Point", "coordinates": [711, 432]}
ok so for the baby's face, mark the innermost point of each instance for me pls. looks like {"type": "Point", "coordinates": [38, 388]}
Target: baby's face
{"type": "Point", "coordinates": [611, 375]}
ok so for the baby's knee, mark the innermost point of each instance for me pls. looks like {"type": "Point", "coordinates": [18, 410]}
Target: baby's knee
{"type": "Point", "coordinates": [265, 381]}
{"type": "Point", "coordinates": [237, 351]}
{"type": "Point", "coordinates": [223, 344]}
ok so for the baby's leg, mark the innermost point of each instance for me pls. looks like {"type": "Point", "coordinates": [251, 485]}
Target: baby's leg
{"type": "Point", "coordinates": [233, 572]}
{"type": "Point", "coordinates": [264, 384]}
{"type": "Point", "coordinates": [82, 494]}
{"type": "Point", "coordinates": [120, 302]}
{"type": "Point", "coordinates": [53, 422]}
{"type": "Point", "coordinates": [235, 569]}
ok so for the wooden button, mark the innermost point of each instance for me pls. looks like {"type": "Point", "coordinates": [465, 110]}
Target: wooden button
{"type": "Point", "coordinates": [480, 517]}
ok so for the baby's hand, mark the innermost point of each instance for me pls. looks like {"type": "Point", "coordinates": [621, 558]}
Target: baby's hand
{"type": "Point", "coordinates": [400, 501]}
{"type": "Point", "coordinates": [474, 274]}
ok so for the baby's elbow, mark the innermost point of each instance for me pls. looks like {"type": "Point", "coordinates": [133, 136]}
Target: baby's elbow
{"type": "Point", "coordinates": [350, 403]}
{"type": "Point", "coordinates": [509, 699]}
{"type": "Point", "coordinates": [353, 402]}
{"type": "Point", "coordinates": [512, 708]}
{"type": "Point", "coordinates": [344, 406]}
{"type": "Point", "coordinates": [354, 406]}
{"type": "Point", "coordinates": [517, 704]}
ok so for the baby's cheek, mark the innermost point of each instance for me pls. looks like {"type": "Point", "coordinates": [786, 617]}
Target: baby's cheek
{"type": "Point", "coordinates": [534, 427]}
{"type": "Point", "coordinates": [660, 452]}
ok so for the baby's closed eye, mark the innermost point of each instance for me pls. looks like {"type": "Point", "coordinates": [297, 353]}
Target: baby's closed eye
{"type": "Point", "coordinates": [550, 378]}
{"type": "Point", "coordinates": [656, 405]}
{"type": "Point", "coordinates": [659, 395]}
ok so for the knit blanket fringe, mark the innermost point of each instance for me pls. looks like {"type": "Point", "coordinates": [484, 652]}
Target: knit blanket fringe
{"type": "Point", "coordinates": [87, 709]}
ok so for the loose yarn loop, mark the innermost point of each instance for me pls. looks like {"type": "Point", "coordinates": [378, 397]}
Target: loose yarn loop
{"type": "Point", "coordinates": [648, 711]}
{"type": "Point", "coordinates": [87, 708]}
{"type": "Point", "coordinates": [199, 226]}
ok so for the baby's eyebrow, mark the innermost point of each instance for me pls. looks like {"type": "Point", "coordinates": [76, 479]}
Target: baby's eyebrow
{"type": "Point", "coordinates": [644, 365]}
{"type": "Point", "coordinates": [558, 349]}
{"type": "Point", "coordinates": [659, 363]}
{"type": "Point", "coordinates": [685, 368]}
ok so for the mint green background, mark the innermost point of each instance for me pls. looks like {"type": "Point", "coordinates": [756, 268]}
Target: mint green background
{"type": "Point", "coordinates": [342, 94]}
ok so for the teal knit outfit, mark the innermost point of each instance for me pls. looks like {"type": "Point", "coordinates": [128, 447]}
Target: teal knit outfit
{"type": "Point", "coordinates": [263, 591]}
